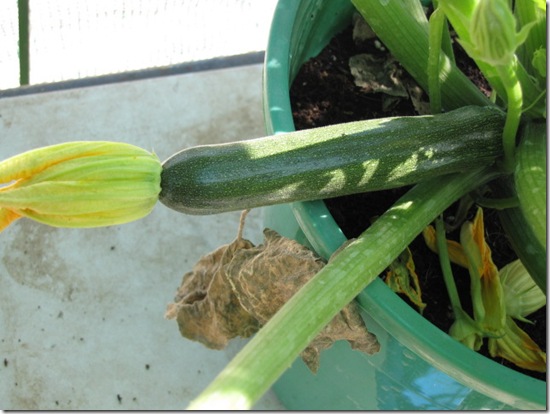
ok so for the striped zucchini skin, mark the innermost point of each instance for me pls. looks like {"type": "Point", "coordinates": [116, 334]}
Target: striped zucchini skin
{"type": "Point", "coordinates": [330, 161]}
{"type": "Point", "coordinates": [530, 177]}
{"type": "Point", "coordinates": [520, 233]}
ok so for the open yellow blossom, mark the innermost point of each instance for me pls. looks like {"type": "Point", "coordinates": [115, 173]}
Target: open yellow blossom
{"type": "Point", "coordinates": [79, 184]}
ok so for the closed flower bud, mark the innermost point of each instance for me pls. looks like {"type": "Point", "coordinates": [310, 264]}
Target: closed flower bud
{"type": "Point", "coordinates": [80, 184]}
{"type": "Point", "coordinates": [493, 32]}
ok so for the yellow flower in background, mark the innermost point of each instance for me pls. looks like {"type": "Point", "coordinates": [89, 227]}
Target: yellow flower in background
{"type": "Point", "coordinates": [518, 347]}
{"type": "Point", "coordinates": [456, 251]}
{"type": "Point", "coordinates": [402, 278]}
{"type": "Point", "coordinates": [522, 297]}
{"type": "Point", "coordinates": [79, 184]}
{"type": "Point", "coordinates": [498, 297]}
{"type": "Point", "coordinates": [488, 303]}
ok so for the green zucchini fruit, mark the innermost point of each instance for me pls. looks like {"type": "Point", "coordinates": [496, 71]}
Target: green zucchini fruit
{"type": "Point", "coordinates": [520, 234]}
{"type": "Point", "coordinates": [330, 161]}
{"type": "Point", "coordinates": [530, 177]}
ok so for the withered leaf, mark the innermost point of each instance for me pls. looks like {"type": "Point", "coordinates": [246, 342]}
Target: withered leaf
{"type": "Point", "coordinates": [383, 74]}
{"type": "Point", "coordinates": [239, 287]}
{"type": "Point", "coordinates": [375, 74]}
{"type": "Point", "coordinates": [205, 306]}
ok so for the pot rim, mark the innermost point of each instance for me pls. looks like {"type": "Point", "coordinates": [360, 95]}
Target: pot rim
{"type": "Point", "coordinates": [378, 300]}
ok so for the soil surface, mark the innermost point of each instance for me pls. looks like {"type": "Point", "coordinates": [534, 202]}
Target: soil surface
{"type": "Point", "coordinates": [324, 93]}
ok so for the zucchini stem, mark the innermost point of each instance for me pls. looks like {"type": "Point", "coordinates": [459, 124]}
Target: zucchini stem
{"type": "Point", "coordinates": [445, 264]}
{"type": "Point", "coordinates": [514, 95]}
{"type": "Point", "coordinates": [437, 21]}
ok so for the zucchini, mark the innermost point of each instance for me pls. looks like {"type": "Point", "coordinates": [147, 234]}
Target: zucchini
{"type": "Point", "coordinates": [530, 178]}
{"type": "Point", "coordinates": [520, 234]}
{"type": "Point", "coordinates": [330, 161]}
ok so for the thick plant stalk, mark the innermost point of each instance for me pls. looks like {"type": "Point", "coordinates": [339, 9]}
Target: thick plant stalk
{"type": "Point", "coordinates": [278, 343]}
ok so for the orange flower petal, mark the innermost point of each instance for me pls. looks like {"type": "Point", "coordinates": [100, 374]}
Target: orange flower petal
{"type": "Point", "coordinates": [7, 217]}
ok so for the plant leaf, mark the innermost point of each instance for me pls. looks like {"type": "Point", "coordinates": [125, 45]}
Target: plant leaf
{"type": "Point", "coordinates": [402, 278]}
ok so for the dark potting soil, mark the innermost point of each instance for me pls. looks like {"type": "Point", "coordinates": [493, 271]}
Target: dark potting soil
{"type": "Point", "coordinates": [324, 93]}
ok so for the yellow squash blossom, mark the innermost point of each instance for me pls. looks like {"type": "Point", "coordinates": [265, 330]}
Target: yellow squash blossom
{"type": "Point", "coordinates": [522, 297]}
{"type": "Point", "coordinates": [486, 290]}
{"type": "Point", "coordinates": [79, 184]}
{"type": "Point", "coordinates": [498, 297]}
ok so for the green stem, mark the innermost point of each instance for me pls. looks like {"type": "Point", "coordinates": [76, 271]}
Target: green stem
{"type": "Point", "coordinates": [497, 203]}
{"type": "Point", "coordinates": [464, 205]}
{"type": "Point", "coordinates": [446, 41]}
{"type": "Point", "coordinates": [260, 363]}
{"type": "Point", "coordinates": [512, 86]}
{"type": "Point", "coordinates": [445, 264]}
{"type": "Point", "coordinates": [437, 20]}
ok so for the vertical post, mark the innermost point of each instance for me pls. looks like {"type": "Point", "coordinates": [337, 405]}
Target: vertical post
{"type": "Point", "coordinates": [24, 56]}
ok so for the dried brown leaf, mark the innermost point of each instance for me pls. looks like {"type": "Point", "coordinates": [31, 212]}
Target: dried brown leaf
{"type": "Point", "coordinates": [205, 306]}
{"type": "Point", "coordinates": [375, 74]}
{"type": "Point", "coordinates": [239, 287]}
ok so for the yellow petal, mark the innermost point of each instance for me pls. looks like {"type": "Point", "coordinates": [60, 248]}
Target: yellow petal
{"type": "Point", "coordinates": [518, 347]}
{"type": "Point", "coordinates": [78, 197]}
{"type": "Point", "coordinates": [109, 217]}
{"type": "Point", "coordinates": [7, 217]}
{"type": "Point", "coordinates": [402, 278]}
{"type": "Point", "coordinates": [456, 252]}
{"type": "Point", "coordinates": [486, 290]}
{"type": "Point", "coordinates": [31, 162]}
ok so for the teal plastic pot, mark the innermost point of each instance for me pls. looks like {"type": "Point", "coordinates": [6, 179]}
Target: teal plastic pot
{"type": "Point", "coordinates": [419, 366]}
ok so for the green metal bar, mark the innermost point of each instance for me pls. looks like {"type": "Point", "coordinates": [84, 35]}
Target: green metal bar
{"type": "Point", "coordinates": [24, 56]}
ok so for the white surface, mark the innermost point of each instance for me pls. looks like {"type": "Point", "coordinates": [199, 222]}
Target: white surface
{"type": "Point", "coordinates": [77, 38]}
{"type": "Point", "coordinates": [82, 311]}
